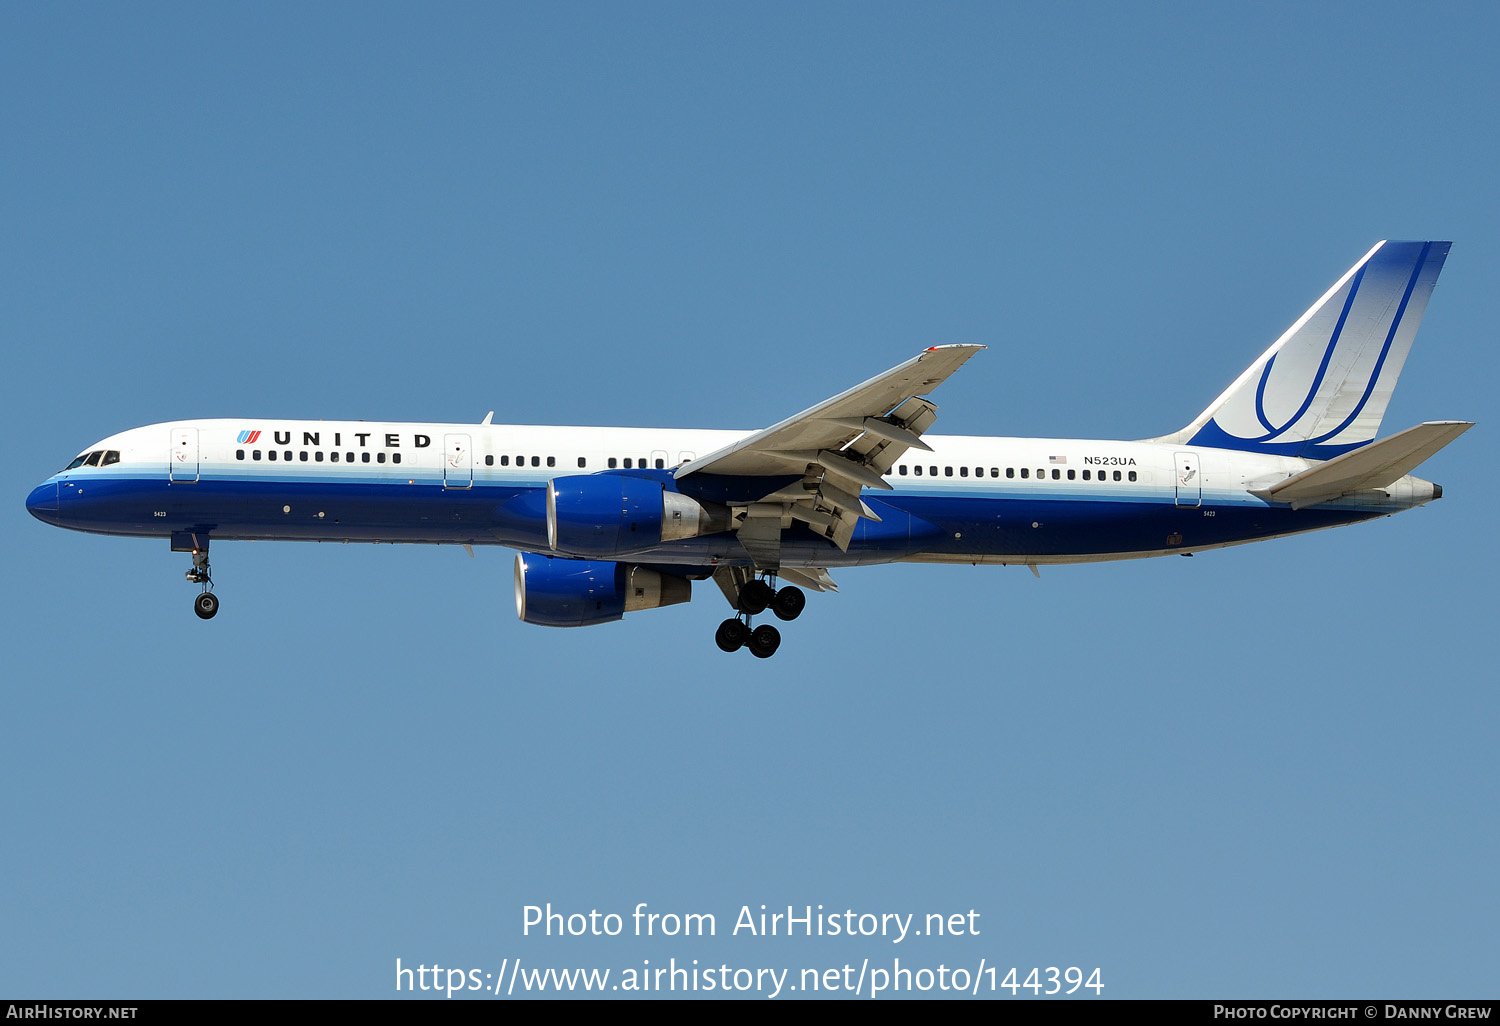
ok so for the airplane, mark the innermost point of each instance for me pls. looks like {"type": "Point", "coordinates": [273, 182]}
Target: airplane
{"type": "Point", "coordinates": [609, 521]}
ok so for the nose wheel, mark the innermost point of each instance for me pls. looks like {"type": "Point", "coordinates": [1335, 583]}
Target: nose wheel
{"type": "Point", "coordinates": [206, 604]}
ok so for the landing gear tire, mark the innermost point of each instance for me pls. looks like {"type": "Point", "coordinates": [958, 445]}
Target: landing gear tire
{"type": "Point", "coordinates": [755, 596]}
{"type": "Point", "coordinates": [206, 605]}
{"type": "Point", "coordinates": [788, 603]}
{"type": "Point", "coordinates": [732, 635]}
{"type": "Point", "coordinates": [764, 641]}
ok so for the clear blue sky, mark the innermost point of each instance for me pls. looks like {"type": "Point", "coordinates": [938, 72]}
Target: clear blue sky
{"type": "Point", "coordinates": [1267, 771]}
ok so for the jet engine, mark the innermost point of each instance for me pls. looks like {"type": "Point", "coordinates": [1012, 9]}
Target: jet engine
{"type": "Point", "coordinates": [609, 515]}
{"type": "Point", "coordinates": [557, 592]}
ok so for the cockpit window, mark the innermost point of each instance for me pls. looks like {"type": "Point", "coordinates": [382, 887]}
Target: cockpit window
{"type": "Point", "coordinates": [97, 458]}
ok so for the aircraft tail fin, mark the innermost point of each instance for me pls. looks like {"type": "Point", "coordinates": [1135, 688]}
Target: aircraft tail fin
{"type": "Point", "coordinates": [1322, 388]}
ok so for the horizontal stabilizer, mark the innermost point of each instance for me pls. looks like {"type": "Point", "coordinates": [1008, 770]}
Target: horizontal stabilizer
{"type": "Point", "coordinates": [1375, 465]}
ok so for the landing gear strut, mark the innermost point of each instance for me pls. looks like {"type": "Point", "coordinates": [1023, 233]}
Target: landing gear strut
{"type": "Point", "coordinates": [756, 596]}
{"type": "Point", "coordinates": [206, 604]}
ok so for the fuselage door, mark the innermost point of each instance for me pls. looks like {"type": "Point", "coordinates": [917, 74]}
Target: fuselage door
{"type": "Point", "coordinates": [458, 462]}
{"type": "Point", "coordinates": [1189, 480]}
{"type": "Point", "coordinates": [182, 459]}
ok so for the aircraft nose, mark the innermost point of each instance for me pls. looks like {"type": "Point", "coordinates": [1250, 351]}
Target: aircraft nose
{"type": "Point", "coordinates": [42, 502]}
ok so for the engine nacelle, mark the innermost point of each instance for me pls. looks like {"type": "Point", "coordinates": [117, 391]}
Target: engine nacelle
{"type": "Point", "coordinates": [611, 515]}
{"type": "Point", "coordinates": [557, 592]}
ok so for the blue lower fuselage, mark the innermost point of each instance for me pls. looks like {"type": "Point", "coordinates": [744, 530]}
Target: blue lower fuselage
{"type": "Point", "coordinates": [987, 521]}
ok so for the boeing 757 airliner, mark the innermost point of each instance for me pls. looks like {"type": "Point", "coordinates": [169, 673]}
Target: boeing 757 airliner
{"type": "Point", "coordinates": [613, 520]}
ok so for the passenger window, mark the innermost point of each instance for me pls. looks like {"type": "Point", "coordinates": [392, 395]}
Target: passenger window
{"type": "Point", "coordinates": [379, 457]}
{"type": "Point", "coordinates": [505, 461]}
{"type": "Point", "coordinates": [660, 463]}
{"type": "Point", "coordinates": [348, 457]}
{"type": "Point", "coordinates": [287, 455]}
{"type": "Point", "coordinates": [364, 457]}
{"type": "Point", "coordinates": [994, 472]}
{"type": "Point", "coordinates": [395, 457]}
{"type": "Point", "coordinates": [1010, 471]}
{"type": "Point", "coordinates": [901, 470]}
{"type": "Point", "coordinates": [918, 469]}
{"type": "Point", "coordinates": [536, 461]}
{"type": "Point", "coordinates": [255, 454]}
{"type": "Point", "coordinates": [551, 461]}
{"type": "Point", "coordinates": [271, 455]}
{"type": "Point", "coordinates": [628, 462]}
{"type": "Point", "coordinates": [612, 462]}
{"type": "Point", "coordinates": [112, 456]}
{"type": "Point", "coordinates": [239, 454]}
{"type": "Point", "coordinates": [1056, 474]}
{"type": "Point", "coordinates": [1117, 475]}
{"type": "Point", "coordinates": [1132, 475]}
{"type": "Point", "coordinates": [489, 461]}
{"type": "Point", "coordinates": [318, 456]}
{"type": "Point", "coordinates": [303, 456]}
{"type": "Point", "coordinates": [947, 471]}
{"type": "Point", "coordinates": [1086, 475]}
{"type": "Point", "coordinates": [963, 471]}
{"type": "Point", "coordinates": [334, 456]}
{"type": "Point", "coordinates": [932, 471]}
{"type": "Point", "coordinates": [1071, 474]}
{"type": "Point", "coordinates": [582, 463]}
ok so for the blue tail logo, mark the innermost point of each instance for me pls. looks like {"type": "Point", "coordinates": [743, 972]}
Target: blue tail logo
{"type": "Point", "coordinates": [1323, 387]}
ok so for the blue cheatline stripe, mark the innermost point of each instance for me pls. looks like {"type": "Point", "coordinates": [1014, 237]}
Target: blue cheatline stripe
{"type": "Point", "coordinates": [1260, 391]}
{"type": "Point", "coordinates": [1390, 337]}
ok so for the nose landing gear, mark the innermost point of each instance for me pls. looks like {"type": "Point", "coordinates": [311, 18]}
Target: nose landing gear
{"type": "Point", "coordinates": [206, 604]}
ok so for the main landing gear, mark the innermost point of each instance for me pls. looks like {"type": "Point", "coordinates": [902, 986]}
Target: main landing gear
{"type": "Point", "coordinates": [207, 603]}
{"type": "Point", "coordinates": [756, 595]}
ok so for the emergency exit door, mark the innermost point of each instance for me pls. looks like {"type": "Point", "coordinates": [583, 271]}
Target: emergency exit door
{"type": "Point", "coordinates": [1189, 481]}
{"type": "Point", "coordinates": [182, 458]}
{"type": "Point", "coordinates": [458, 462]}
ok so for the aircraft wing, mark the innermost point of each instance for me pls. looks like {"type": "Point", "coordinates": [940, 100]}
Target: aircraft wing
{"type": "Point", "coordinates": [840, 446]}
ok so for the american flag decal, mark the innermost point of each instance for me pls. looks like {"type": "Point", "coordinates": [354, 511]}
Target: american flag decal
{"type": "Point", "coordinates": [248, 437]}
{"type": "Point", "coordinates": [1057, 459]}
